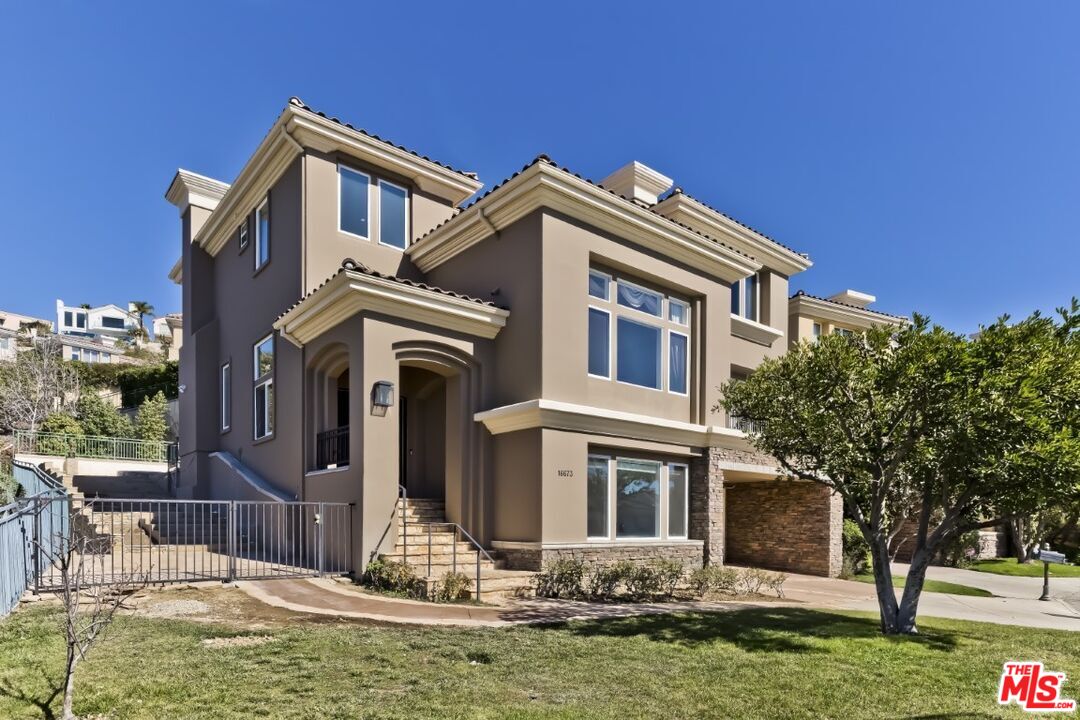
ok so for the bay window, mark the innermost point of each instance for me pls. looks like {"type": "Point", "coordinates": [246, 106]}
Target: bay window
{"type": "Point", "coordinates": [643, 332]}
{"type": "Point", "coordinates": [636, 499]}
{"type": "Point", "coordinates": [263, 373]}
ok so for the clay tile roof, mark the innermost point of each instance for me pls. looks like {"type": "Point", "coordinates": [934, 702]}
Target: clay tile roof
{"type": "Point", "coordinates": [680, 191]}
{"type": "Point", "coordinates": [350, 265]}
{"type": "Point", "coordinates": [297, 102]}
{"type": "Point", "coordinates": [542, 158]}
{"type": "Point", "coordinates": [803, 293]}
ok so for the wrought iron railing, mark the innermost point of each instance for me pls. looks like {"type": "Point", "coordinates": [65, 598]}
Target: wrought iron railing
{"type": "Point", "coordinates": [332, 448]}
{"type": "Point", "coordinates": [743, 425]}
{"type": "Point", "coordinates": [88, 446]}
{"type": "Point", "coordinates": [32, 518]}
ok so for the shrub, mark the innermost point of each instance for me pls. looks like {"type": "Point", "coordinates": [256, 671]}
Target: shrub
{"type": "Point", "coordinates": [962, 550]}
{"type": "Point", "coordinates": [668, 575]}
{"type": "Point", "coordinates": [152, 424]}
{"type": "Point", "coordinates": [714, 579]}
{"type": "Point", "coordinates": [9, 489]}
{"type": "Point", "coordinates": [99, 419]}
{"type": "Point", "coordinates": [560, 578]}
{"type": "Point", "coordinates": [856, 559]}
{"type": "Point", "coordinates": [775, 582]}
{"type": "Point", "coordinates": [61, 424]}
{"type": "Point", "coordinates": [604, 580]}
{"type": "Point", "coordinates": [392, 576]}
{"type": "Point", "coordinates": [751, 580]}
{"type": "Point", "coordinates": [452, 586]}
{"type": "Point", "coordinates": [643, 582]}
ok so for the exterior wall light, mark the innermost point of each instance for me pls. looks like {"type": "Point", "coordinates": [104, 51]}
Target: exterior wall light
{"type": "Point", "coordinates": [382, 397]}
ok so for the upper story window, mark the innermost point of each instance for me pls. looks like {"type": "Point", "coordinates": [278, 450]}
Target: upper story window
{"type": "Point", "coordinates": [354, 200]}
{"type": "Point", "coordinates": [243, 233]}
{"type": "Point", "coordinates": [262, 234]}
{"type": "Point", "coordinates": [263, 377]}
{"type": "Point", "coordinates": [393, 215]}
{"type": "Point", "coordinates": [113, 323]}
{"type": "Point", "coordinates": [637, 335]}
{"type": "Point", "coordinates": [816, 331]}
{"type": "Point", "coordinates": [80, 320]}
{"type": "Point", "coordinates": [745, 297]}
{"type": "Point", "coordinates": [843, 331]}
{"type": "Point", "coordinates": [68, 319]}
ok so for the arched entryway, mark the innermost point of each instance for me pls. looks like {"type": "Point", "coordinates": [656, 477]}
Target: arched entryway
{"type": "Point", "coordinates": [327, 379]}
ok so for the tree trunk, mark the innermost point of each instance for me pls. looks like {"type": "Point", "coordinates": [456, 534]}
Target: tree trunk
{"type": "Point", "coordinates": [886, 596]}
{"type": "Point", "coordinates": [1022, 545]}
{"type": "Point", "coordinates": [913, 587]}
{"type": "Point", "coordinates": [69, 685]}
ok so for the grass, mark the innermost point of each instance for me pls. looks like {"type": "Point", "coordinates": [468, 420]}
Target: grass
{"type": "Point", "coordinates": [938, 586]}
{"type": "Point", "coordinates": [751, 663]}
{"type": "Point", "coordinates": [1009, 566]}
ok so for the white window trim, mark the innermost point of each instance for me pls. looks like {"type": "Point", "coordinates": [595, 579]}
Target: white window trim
{"type": "Point", "coordinates": [610, 281]}
{"type": "Point", "coordinates": [686, 503]}
{"type": "Point", "coordinates": [607, 505]}
{"type": "Point", "coordinates": [686, 360]}
{"type": "Point", "coordinates": [628, 283]}
{"type": "Point", "coordinates": [379, 182]}
{"type": "Point", "coordinates": [611, 345]}
{"type": "Point", "coordinates": [660, 503]}
{"type": "Point", "coordinates": [258, 235]}
{"type": "Point", "coordinates": [741, 283]}
{"type": "Point", "coordinates": [226, 383]}
{"type": "Point", "coordinates": [663, 349]}
{"type": "Point", "coordinates": [686, 311]}
{"type": "Point", "coordinates": [366, 176]}
{"type": "Point", "coordinates": [259, 381]}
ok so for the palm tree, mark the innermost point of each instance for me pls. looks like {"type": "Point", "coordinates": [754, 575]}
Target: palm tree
{"type": "Point", "coordinates": [142, 308]}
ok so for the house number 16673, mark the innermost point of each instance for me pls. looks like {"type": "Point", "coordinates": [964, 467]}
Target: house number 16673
{"type": "Point", "coordinates": [566, 473]}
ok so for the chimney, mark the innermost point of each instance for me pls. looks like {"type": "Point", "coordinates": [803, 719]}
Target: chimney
{"type": "Point", "coordinates": [853, 297]}
{"type": "Point", "coordinates": [637, 182]}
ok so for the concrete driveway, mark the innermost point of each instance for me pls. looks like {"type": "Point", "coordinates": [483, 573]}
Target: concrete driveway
{"type": "Point", "coordinates": [1017, 602]}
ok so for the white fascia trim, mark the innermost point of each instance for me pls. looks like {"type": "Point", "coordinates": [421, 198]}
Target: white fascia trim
{"type": "Point", "coordinates": [543, 185]}
{"type": "Point", "coordinates": [325, 135]}
{"type": "Point", "coordinates": [696, 215]}
{"type": "Point", "coordinates": [349, 293]}
{"type": "Point", "coordinates": [803, 305]}
{"type": "Point", "coordinates": [754, 331]}
{"type": "Point", "coordinates": [188, 188]}
{"type": "Point", "coordinates": [176, 274]}
{"type": "Point", "coordinates": [557, 415]}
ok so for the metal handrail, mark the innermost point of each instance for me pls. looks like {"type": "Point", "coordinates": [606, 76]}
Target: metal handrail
{"type": "Point", "coordinates": [92, 446]}
{"type": "Point", "coordinates": [43, 477]}
{"type": "Point", "coordinates": [404, 495]}
{"type": "Point", "coordinates": [480, 551]}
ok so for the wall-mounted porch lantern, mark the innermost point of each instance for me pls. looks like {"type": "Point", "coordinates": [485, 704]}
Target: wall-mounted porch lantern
{"type": "Point", "coordinates": [382, 397]}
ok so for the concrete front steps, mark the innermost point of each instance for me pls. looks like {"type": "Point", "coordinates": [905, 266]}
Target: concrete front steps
{"type": "Point", "coordinates": [423, 516]}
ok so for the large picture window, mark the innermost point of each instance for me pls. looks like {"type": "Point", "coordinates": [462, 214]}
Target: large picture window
{"type": "Point", "coordinates": [649, 340]}
{"type": "Point", "coordinates": [637, 499]}
{"type": "Point", "coordinates": [264, 387]}
{"type": "Point", "coordinates": [353, 202]}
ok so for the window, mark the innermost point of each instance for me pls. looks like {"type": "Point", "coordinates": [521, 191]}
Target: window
{"type": "Point", "coordinates": [92, 356]}
{"type": "Point", "coordinates": [638, 353]}
{"type": "Point", "coordinates": [393, 215]}
{"type": "Point", "coordinates": [678, 362]}
{"type": "Point", "coordinates": [599, 343]}
{"type": "Point", "coordinates": [353, 201]}
{"type": "Point", "coordinates": [243, 234]}
{"type": "Point", "coordinates": [263, 374]}
{"type": "Point", "coordinates": [745, 296]}
{"type": "Point", "coordinates": [677, 500]}
{"type": "Point", "coordinates": [113, 323]}
{"type": "Point", "coordinates": [843, 331]}
{"type": "Point", "coordinates": [226, 396]}
{"type": "Point", "coordinates": [75, 354]}
{"type": "Point", "coordinates": [80, 320]}
{"type": "Point", "coordinates": [68, 322]}
{"type": "Point", "coordinates": [637, 498]}
{"type": "Point", "coordinates": [638, 298]}
{"type": "Point", "coordinates": [678, 312]}
{"type": "Point", "coordinates": [262, 234]}
{"type": "Point", "coordinates": [106, 357]}
{"type": "Point", "coordinates": [816, 330]}
{"type": "Point", "coordinates": [598, 284]}
{"type": "Point", "coordinates": [599, 482]}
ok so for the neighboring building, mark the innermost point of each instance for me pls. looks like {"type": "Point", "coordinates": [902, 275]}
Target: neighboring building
{"type": "Point", "coordinates": [168, 333]}
{"type": "Point", "coordinates": [846, 312]}
{"type": "Point", "coordinates": [89, 350]}
{"type": "Point", "coordinates": [16, 322]}
{"type": "Point", "coordinates": [9, 340]}
{"type": "Point", "coordinates": [545, 359]}
{"type": "Point", "coordinates": [106, 324]}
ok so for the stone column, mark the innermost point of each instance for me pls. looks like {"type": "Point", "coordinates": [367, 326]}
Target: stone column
{"type": "Point", "coordinates": [707, 504]}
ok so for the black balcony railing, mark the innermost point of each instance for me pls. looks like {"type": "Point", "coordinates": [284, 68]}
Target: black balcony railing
{"type": "Point", "coordinates": [332, 448]}
{"type": "Point", "coordinates": [742, 424]}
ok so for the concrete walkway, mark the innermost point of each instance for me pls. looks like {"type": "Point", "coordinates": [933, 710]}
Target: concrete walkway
{"type": "Point", "coordinates": [1008, 586]}
{"type": "Point", "coordinates": [324, 596]}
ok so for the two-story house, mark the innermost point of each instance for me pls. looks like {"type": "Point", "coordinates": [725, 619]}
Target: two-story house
{"type": "Point", "coordinates": [544, 360]}
{"type": "Point", "coordinates": [105, 324]}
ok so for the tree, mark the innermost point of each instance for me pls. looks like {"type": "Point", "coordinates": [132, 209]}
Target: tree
{"type": "Point", "coordinates": [99, 419]}
{"type": "Point", "coordinates": [37, 383]}
{"type": "Point", "coordinates": [954, 433]}
{"type": "Point", "coordinates": [142, 308]}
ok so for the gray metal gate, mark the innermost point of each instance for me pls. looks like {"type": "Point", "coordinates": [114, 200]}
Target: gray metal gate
{"type": "Point", "coordinates": [167, 541]}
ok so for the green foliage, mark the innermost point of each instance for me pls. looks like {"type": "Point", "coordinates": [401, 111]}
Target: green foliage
{"type": "Point", "coordinates": [136, 382]}
{"type": "Point", "coordinates": [99, 419]}
{"type": "Point", "coordinates": [62, 424]}
{"type": "Point", "coordinates": [961, 550]}
{"type": "Point", "coordinates": [151, 421]}
{"type": "Point", "coordinates": [452, 587]}
{"type": "Point", "coordinates": [560, 578]}
{"type": "Point", "coordinates": [9, 489]}
{"type": "Point", "coordinates": [394, 577]}
{"type": "Point", "coordinates": [643, 583]}
{"type": "Point", "coordinates": [856, 559]}
{"type": "Point", "coordinates": [604, 580]}
{"type": "Point", "coordinates": [720, 580]}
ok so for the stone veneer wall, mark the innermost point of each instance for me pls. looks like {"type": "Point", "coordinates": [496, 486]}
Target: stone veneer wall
{"type": "Point", "coordinates": [707, 504]}
{"type": "Point", "coordinates": [785, 525]}
{"type": "Point", "coordinates": [689, 553]}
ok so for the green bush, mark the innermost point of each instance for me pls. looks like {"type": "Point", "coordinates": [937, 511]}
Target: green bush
{"type": "Point", "coordinates": [394, 577]}
{"type": "Point", "coordinates": [604, 580]}
{"type": "Point", "coordinates": [856, 560]}
{"type": "Point", "coordinates": [961, 551]}
{"type": "Point", "coordinates": [152, 423]}
{"type": "Point", "coordinates": [9, 489]}
{"type": "Point", "coordinates": [99, 419]}
{"type": "Point", "coordinates": [643, 582]}
{"type": "Point", "coordinates": [669, 573]}
{"type": "Point", "coordinates": [61, 424]}
{"type": "Point", "coordinates": [714, 579]}
{"type": "Point", "coordinates": [136, 382]}
{"type": "Point", "coordinates": [560, 578]}
{"type": "Point", "coordinates": [452, 587]}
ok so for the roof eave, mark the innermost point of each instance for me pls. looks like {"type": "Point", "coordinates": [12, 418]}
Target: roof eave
{"type": "Point", "coordinates": [835, 312]}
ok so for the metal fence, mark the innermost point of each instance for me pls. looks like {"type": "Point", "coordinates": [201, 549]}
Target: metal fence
{"type": "Point", "coordinates": [19, 521]}
{"type": "Point", "coordinates": [105, 448]}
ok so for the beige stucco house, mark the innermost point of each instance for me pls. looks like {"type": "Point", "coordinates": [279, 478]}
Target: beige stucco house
{"type": "Point", "coordinates": [543, 360]}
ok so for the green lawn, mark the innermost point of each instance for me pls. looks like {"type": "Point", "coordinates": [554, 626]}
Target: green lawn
{"type": "Point", "coordinates": [1009, 566]}
{"type": "Point", "coordinates": [750, 663]}
{"type": "Point", "coordinates": [937, 586]}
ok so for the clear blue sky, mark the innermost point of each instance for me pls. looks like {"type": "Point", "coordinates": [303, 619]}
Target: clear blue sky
{"type": "Point", "coordinates": [926, 152]}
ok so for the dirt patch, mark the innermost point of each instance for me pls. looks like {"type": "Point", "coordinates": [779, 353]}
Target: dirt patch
{"type": "Point", "coordinates": [240, 641]}
{"type": "Point", "coordinates": [175, 608]}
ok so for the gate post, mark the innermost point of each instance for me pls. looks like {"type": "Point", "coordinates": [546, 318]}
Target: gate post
{"type": "Point", "coordinates": [321, 547]}
{"type": "Point", "coordinates": [230, 546]}
{"type": "Point", "coordinates": [35, 547]}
